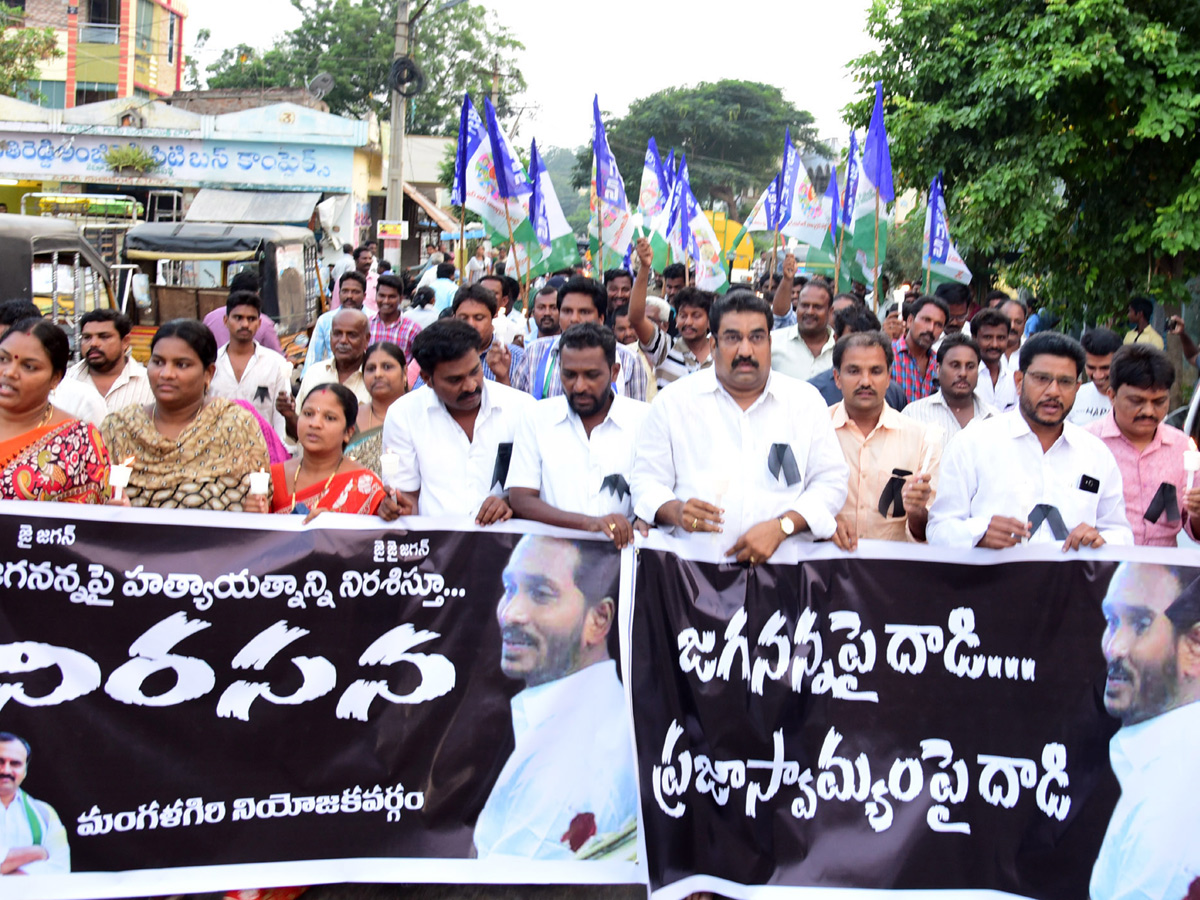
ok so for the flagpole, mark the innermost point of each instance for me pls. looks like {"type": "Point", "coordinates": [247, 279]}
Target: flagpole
{"type": "Point", "coordinates": [878, 272]}
{"type": "Point", "coordinates": [774, 251]}
{"type": "Point", "coordinates": [462, 238]}
{"type": "Point", "coordinates": [928, 266]}
{"type": "Point", "coordinates": [837, 272]}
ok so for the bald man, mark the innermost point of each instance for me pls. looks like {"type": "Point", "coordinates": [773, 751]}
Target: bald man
{"type": "Point", "coordinates": [348, 337]}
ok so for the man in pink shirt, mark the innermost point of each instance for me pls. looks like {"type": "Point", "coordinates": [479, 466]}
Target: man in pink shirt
{"type": "Point", "coordinates": [1149, 452]}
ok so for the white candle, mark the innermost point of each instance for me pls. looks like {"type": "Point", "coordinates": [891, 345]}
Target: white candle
{"type": "Point", "coordinates": [118, 478]}
{"type": "Point", "coordinates": [389, 466]}
{"type": "Point", "coordinates": [260, 483]}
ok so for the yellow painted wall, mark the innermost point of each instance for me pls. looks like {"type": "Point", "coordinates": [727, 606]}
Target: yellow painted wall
{"type": "Point", "coordinates": [55, 69]}
{"type": "Point", "coordinates": [97, 62]}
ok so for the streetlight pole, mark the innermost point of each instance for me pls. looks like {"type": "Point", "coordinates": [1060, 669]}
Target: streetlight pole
{"type": "Point", "coordinates": [395, 188]}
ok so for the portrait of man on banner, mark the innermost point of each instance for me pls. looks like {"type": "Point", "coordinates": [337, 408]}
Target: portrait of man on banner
{"type": "Point", "coordinates": [1152, 647]}
{"type": "Point", "coordinates": [32, 839]}
{"type": "Point", "coordinates": [569, 789]}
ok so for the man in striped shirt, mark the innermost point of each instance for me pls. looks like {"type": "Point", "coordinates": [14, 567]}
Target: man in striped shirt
{"type": "Point", "coordinates": [955, 404]}
{"type": "Point", "coordinates": [388, 323]}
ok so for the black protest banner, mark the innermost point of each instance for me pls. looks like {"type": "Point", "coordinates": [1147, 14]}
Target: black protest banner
{"type": "Point", "coordinates": [216, 704]}
{"type": "Point", "coordinates": [897, 723]}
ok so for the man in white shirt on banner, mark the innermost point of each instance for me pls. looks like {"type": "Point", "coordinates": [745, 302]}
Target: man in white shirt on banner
{"type": "Point", "coordinates": [570, 782]}
{"type": "Point", "coordinates": [1092, 402]}
{"type": "Point", "coordinates": [573, 456]}
{"type": "Point", "coordinates": [740, 449]}
{"type": "Point", "coordinates": [246, 370]}
{"type": "Point", "coordinates": [955, 404]}
{"type": "Point", "coordinates": [105, 336]}
{"type": "Point", "coordinates": [33, 840]}
{"type": "Point", "coordinates": [1151, 643]}
{"type": "Point", "coordinates": [454, 436]}
{"type": "Point", "coordinates": [1029, 474]}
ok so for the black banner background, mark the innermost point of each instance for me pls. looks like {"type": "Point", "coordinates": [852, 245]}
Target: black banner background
{"type": "Point", "coordinates": [1049, 611]}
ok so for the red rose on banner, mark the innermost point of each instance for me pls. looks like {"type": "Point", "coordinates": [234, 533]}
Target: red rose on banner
{"type": "Point", "coordinates": [582, 827]}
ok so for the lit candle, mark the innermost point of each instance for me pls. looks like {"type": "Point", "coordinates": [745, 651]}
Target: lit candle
{"type": "Point", "coordinates": [933, 439]}
{"type": "Point", "coordinates": [1191, 462]}
{"type": "Point", "coordinates": [260, 483]}
{"type": "Point", "coordinates": [118, 476]}
{"type": "Point", "coordinates": [389, 466]}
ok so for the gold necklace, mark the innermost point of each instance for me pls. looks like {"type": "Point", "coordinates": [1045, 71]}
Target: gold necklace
{"type": "Point", "coordinates": [47, 415]}
{"type": "Point", "coordinates": [325, 487]}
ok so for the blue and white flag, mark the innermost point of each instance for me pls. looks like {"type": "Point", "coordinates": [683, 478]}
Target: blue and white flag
{"type": "Point", "coordinates": [537, 204]}
{"type": "Point", "coordinates": [851, 193]}
{"type": "Point", "coordinates": [610, 216]}
{"type": "Point", "coordinates": [877, 159]}
{"type": "Point", "coordinates": [830, 201]}
{"type": "Point", "coordinates": [469, 138]}
{"type": "Point", "coordinates": [938, 253]}
{"type": "Point", "coordinates": [511, 180]}
{"type": "Point", "coordinates": [789, 174]}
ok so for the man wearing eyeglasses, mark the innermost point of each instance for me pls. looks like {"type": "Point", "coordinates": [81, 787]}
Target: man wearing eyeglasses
{"type": "Point", "coordinates": [1029, 474]}
{"type": "Point", "coordinates": [737, 454]}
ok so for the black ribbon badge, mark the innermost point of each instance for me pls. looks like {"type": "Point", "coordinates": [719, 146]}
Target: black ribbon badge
{"type": "Point", "coordinates": [1045, 512]}
{"type": "Point", "coordinates": [261, 394]}
{"type": "Point", "coordinates": [617, 484]}
{"type": "Point", "coordinates": [782, 459]}
{"type": "Point", "coordinates": [503, 458]}
{"type": "Point", "coordinates": [891, 496]}
{"type": "Point", "coordinates": [1165, 500]}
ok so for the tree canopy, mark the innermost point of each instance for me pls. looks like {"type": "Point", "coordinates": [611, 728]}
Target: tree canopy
{"type": "Point", "coordinates": [731, 131]}
{"type": "Point", "coordinates": [1067, 129]}
{"type": "Point", "coordinates": [353, 40]}
{"type": "Point", "coordinates": [21, 49]}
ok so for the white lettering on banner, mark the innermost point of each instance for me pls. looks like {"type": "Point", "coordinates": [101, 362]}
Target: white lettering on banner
{"type": "Point", "coordinates": [839, 779]}
{"type": "Point", "coordinates": [391, 551]}
{"type": "Point", "coordinates": [908, 652]}
{"type": "Point", "coordinates": [63, 537]}
{"type": "Point", "coordinates": [194, 678]}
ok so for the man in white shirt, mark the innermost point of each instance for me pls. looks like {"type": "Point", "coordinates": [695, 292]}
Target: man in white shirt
{"type": "Point", "coordinates": [573, 455]}
{"type": "Point", "coordinates": [1152, 647]}
{"type": "Point", "coordinates": [33, 840]}
{"type": "Point", "coordinates": [570, 782]}
{"type": "Point", "coordinates": [807, 349]}
{"type": "Point", "coordinates": [246, 370]}
{"type": "Point", "coordinates": [454, 436]}
{"type": "Point", "coordinates": [1092, 401]}
{"type": "Point", "coordinates": [738, 448]}
{"type": "Point", "coordinates": [996, 387]}
{"type": "Point", "coordinates": [955, 404]}
{"type": "Point", "coordinates": [349, 335]}
{"type": "Point", "coordinates": [1028, 473]}
{"type": "Point", "coordinates": [118, 378]}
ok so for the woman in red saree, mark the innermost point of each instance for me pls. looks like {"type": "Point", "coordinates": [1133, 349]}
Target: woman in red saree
{"type": "Point", "coordinates": [44, 453]}
{"type": "Point", "coordinates": [323, 478]}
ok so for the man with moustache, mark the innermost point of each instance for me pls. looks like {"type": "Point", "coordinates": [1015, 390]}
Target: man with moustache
{"type": "Point", "coordinates": [104, 340]}
{"type": "Point", "coordinates": [738, 448]}
{"type": "Point", "coordinates": [955, 405]}
{"type": "Point", "coordinates": [348, 335]}
{"type": "Point", "coordinates": [573, 455]}
{"type": "Point", "coordinates": [619, 285]}
{"type": "Point", "coordinates": [995, 385]}
{"type": "Point", "coordinates": [914, 367]}
{"type": "Point", "coordinates": [853, 319]}
{"type": "Point", "coordinates": [1152, 646]}
{"type": "Point", "coordinates": [475, 304]}
{"type": "Point", "coordinates": [246, 370]}
{"type": "Point", "coordinates": [1029, 474]}
{"type": "Point", "coordinates": [353, 288]}
{"type": "Point", "coordinates": [364, 261]}
{"type": "Point", "coordinates": [545, 312]}
{"type": "Point", "coordinates": [454, 439]}
{"type": "Point", "coordinates": [33, 840]}
{"type": "Point", "coordinates": [571, 781]}
{"type": "Point", "coordinates": [806, 350]}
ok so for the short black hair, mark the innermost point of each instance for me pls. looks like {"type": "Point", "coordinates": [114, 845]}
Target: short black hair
{"type": "Point", "coordinates": [584, 335]}
{"type": "Point", "coordinates": [738, 301]}
{"type": "Point", "coordinates": [853, 298]}
{"type": "Point", "coordinates": [925, 300]}
{"type": "Point", "coordinates": [950, 341]}
{"type": "Point", "coordinates": [353, 275]}
{"type": "Point", "coordinates": [243, 298]}
{"type": "Point", "coordinates": [7, 737]}
{"type": "Point", "coordinates": [1144, 306]}
{"type": "Point", "coordinates": [1051, 343]}
{"type": "Point", "coordinates": [510, 288]}
{"type": "Point", "coordinates": [245, 280]}
{"type": "Point", "coordinates": [820, 283]}
{"type": "Point", "coordinates": [390, 281]}
{"type": "Point", "coordinates": [674, 270]}
{"type": "Point", "coordinates": [695, 297]}
{"type": "Point", "coordinates": [1141, 366]}
{"type": "Point", "coordinates": [1018, 302]}
{"type": "Point", "coordinates": [445, 270]}
{"type": "Point", "coordinates": [444, 341]}
{"type": "Point", "coordinates": [1101, 342]}
{"type": "Point", "coordinates": [474, 293]}
{"type": "Point", "coordinates": [953, 293]}
{"type": "Point", "coordinates": [854, 319]}
{"type": "Point", "coordinates": [52, 338]}
{"type": "Point", "coordinates": [614, 274]}
{"type": "Point", "coordinates": [862, 339]}
{"type": "Point", "coordinates": [1184, 611]}
{"type": "Point", "coordinates": [119, 320]}
{"type": "Point", "coordinates": [360, 250]}
{"type": "Point", "coordinates": [195, 334]}
{"type": "Point", "coordinates": [990, 318]}
{"type": "Point", "coordinates": [347, 248]}
{"type": "Point", "coordinates": [13, 311]}
{"type": "Point", "coordinates": [996, 295]}
{"type": "Point", "coordinates": [588, 286]}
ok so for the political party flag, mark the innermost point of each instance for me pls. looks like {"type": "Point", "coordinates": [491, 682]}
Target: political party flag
{"type": "Point", "coordinates": [763, 216]}
{"type": "Point", "coordinates": [707, 252]}
{"type": "Point", "coordinates": [652, 204]}
{"type": "Point", "coordinates": [875, 188]}
{"type": "Point", "coordinates": [554, 235]}
{"type": "Point", "coordinates": [877, 160]}
{"type": "Point", "coordinates": [469, 138]}
{"type": "Point", "coordinates": [669, 168]}
{"type": "Point", "coordinates": [830, 203]}
{"type": "Point", "coordinates": [939, 257]}
{"type": "Point", "coordinates": [610, 219]}
{"type": "Point", "coordinates": [806, 217]}
{"type": "Point", "coordinates": [679, 233]}
{"type": "Point", "coordinates": [505, 215]}
{"type": "Point", "coordinates": [852, 167]}
{"type": "Point", "coordinates": [789, 176]}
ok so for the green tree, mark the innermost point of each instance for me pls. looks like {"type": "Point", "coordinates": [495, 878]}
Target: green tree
{"type": "Point", "coordinates": [1067, 129]}
{"type": "Point", "coordinates": [21, 49]}
{"type": "Point", "coordinates": [731, 131]}
{"type": "Point", "coordinates": [353, 40]}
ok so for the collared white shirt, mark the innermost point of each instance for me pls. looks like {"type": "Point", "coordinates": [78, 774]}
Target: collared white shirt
{"type": "Point", "coordinates": [130, 388]}
{"type": "Point", "coordinates": [697, 442]}
{"type": "Point", "coordinates": [1090, 405]}
{"type": "Point", "coordinates": [791, 356]}
{"type": "Point", "coordinates": [997, 468]}
{"type": "Point", "coordinates": [325, 372]}
{"type": "Point", "coordinates": [1151, 850]}
{"type": "Point", "coordinates": [1001, 396]}
{"type": "Point", "coordinates": [554, 455]}
{"type": "Point", "coordinates": [266, 374]}
{"type": "Point", "coordinates": [79, 400]}
{"type": "Point", "coordinates": [453, 474]}
{"type": "Point", "coordinates": [16, 832]}
{"type": "Point", "coordinates": [933, 410]}
{"type": "Point", "coordinates": [573, 757]}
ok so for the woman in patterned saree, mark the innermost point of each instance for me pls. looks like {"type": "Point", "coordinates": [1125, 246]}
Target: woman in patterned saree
{"type": "Point", "coordinates": [44, 453]}
{"type": "Point", "coordinates": [323, 478]}
{"type": "Point", "coordinates": [189, 450]}
{"type": "Point", "coordinates": [384, 373]}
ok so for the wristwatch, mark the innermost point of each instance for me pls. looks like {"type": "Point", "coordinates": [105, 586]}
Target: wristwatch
{"type": "Point", "coordinates": [788, 526]}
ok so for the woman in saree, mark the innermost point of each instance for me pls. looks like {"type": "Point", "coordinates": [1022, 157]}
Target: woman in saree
{"type": "Point", "coordinates": [45, 454]}
{"type": "Point", "coordinates": [386, 380]}
{"type": "Point", "coordinates": [189, 450]}
{"type": "Point", "coordinates": [323, 477]}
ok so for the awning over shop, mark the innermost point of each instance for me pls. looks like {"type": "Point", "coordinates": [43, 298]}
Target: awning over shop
{"type": "Point", "coordinates": [253, 207]}
{"type": "Point", "coordinates": [474, 232]}
{"type": "Point", "coordinates": [437, 215]}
